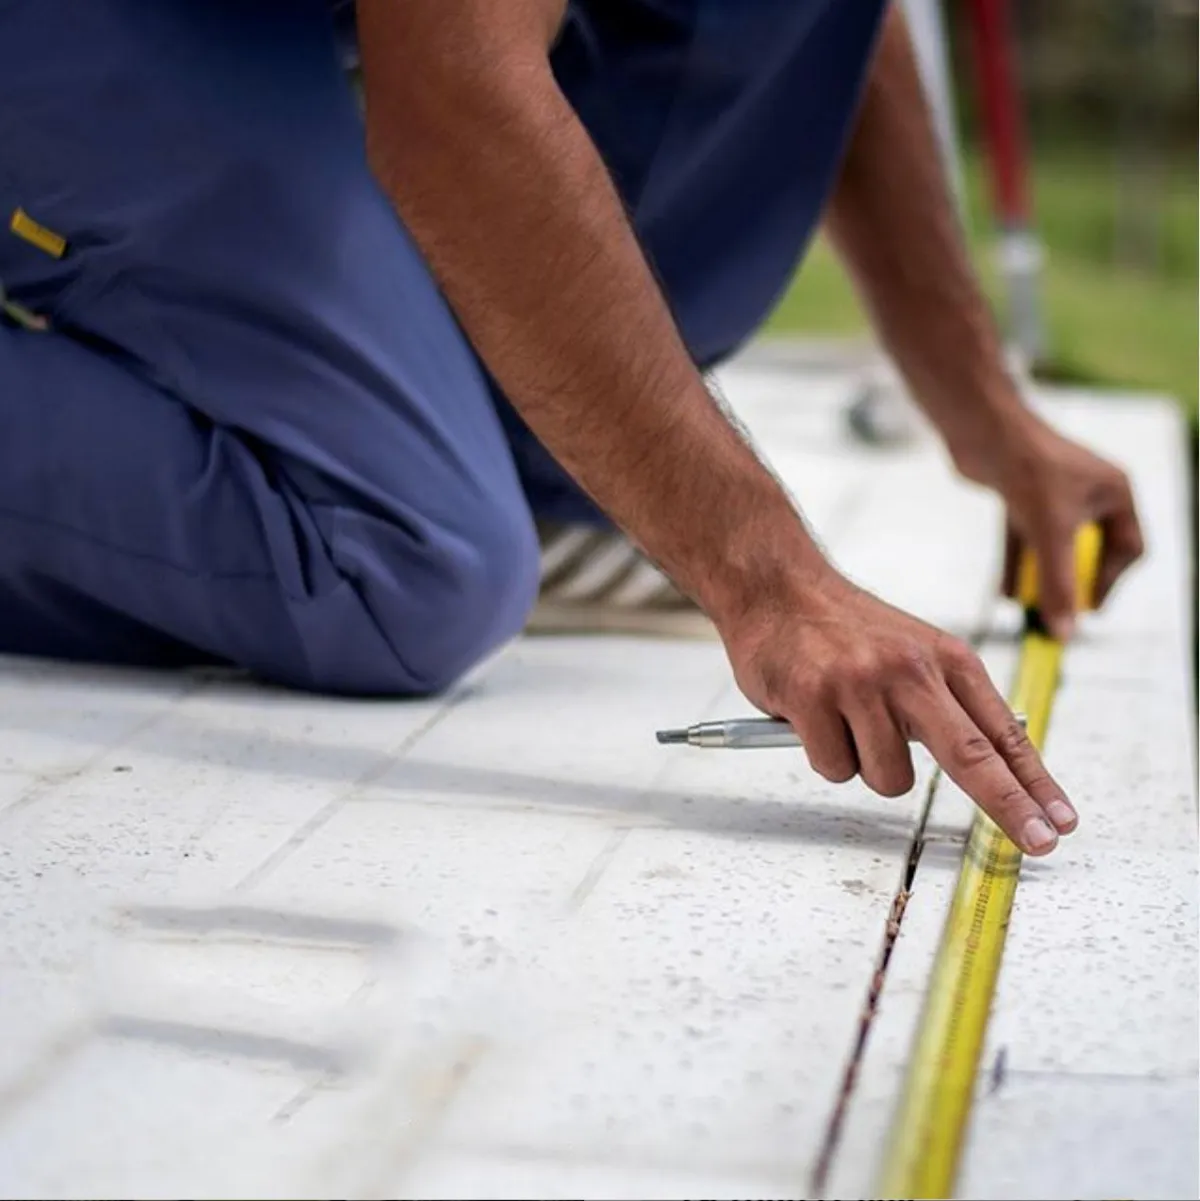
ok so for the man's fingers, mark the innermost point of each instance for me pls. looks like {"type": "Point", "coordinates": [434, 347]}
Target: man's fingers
{"type": "Point", "coordinates": [1056, 581]}
{"type": "Point", "coordinates": [827, 742]}
{"type": "Point", "coordinates": [1123, 546]}
{"type": "Point", "coordinates": [884, 758]}
{"type": "Point", "coordinates": [1012, 562]}
{"type": "Point", "coordinates": [988, 710]}
{"type": "Point", "coordinates": [971, 760]}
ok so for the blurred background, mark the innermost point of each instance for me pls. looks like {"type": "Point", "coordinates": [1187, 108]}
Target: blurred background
{"type": "Point", "coordinates": [1106, 147]}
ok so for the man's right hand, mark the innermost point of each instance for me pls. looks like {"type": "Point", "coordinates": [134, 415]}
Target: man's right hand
{"type": "Point", "coordinates": [511, 204]}
{"type": "Point", "coordinates": [859, 680]}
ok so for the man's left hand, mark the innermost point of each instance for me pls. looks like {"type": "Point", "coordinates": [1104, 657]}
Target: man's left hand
{"type": "Point", "coordinates": [1051, 487]}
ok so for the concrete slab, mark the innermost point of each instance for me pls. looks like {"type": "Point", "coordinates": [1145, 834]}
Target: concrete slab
{"type": "Point", "coordinates": [514, 1179]}
{"type": "Point", "coordinates": [503, 944]}
{"type": "Point", "coordinates": [1085, 1136]}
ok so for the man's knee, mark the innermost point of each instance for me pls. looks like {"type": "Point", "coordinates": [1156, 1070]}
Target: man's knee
{"type": "Point", "coordinates": [422, 606]}
{"type": "Point", "coordinates": [484, 582]}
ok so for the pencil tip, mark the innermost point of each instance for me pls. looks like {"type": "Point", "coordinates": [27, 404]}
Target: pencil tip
{"type": "Point", "coordinates": [672, 736]}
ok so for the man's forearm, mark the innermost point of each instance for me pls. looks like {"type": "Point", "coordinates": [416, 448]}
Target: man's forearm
{"type": "Point", "coordinates": [512, 206]}
{"type": "Point", "coordinates": [893, 223]}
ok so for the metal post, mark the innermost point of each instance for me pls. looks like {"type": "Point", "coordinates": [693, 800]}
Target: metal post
{"type": "Point", "coordinates": [928, 31]}
{"type": "Point", "coordinates": [1020, 251]}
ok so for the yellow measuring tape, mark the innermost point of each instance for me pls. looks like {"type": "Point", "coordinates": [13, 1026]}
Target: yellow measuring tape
{"type": "Point", "coordinates": [925, 1145]}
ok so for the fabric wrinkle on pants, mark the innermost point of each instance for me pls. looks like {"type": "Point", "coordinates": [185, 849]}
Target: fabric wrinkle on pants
{"type": "Point", "coordinates": [256, 434]}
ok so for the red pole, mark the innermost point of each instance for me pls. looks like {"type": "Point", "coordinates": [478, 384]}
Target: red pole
{"type": "Point", "coordinates": [1001, 111]}
{"type": "Point", "coordinates": [1000, 106]}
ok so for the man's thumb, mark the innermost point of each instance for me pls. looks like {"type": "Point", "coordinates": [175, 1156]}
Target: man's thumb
{"type": "Point", "coordinates": [1056, 586]}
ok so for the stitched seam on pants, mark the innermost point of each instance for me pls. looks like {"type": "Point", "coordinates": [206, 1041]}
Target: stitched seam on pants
{"type": "Point", "coordinates": [670, 123]}
{"type": "Point", "coordinates": [352, 582]}
{"type": "Point", "coordinates": [141, 556]}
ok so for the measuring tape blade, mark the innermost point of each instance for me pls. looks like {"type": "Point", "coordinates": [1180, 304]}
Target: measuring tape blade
{"type": "Point", "coordinates": [928, 1131]}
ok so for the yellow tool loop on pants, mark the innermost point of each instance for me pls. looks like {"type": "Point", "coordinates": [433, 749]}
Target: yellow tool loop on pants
{"type": "Point", "coordinates": [929, 1127]}
{"type": "Point", "coordinates": [36, 234]}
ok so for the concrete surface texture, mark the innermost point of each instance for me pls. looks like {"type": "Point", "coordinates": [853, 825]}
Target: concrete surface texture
{"type": "Point", "coordinates": [502, 944]}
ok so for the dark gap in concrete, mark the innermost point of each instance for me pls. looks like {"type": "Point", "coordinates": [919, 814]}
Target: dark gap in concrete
{"type": "Point", "coordinates": [891, 933]}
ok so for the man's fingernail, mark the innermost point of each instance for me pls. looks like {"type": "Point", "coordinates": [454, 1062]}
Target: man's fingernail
{"type": "Point", "coordinates": [1062, 815]}
{"type": "Point", "coordinates": [1063, 628]}
{"type": "Point", "coordinates": [1038, 835]}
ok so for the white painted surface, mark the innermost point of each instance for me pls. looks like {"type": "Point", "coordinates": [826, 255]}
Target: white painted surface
{"type": "Point", "coordinates": [512, 1179]}
{"type": "Point", "coordinates": [506, 945]}
{"type": "Point", "coordinates": [1085, 1136]}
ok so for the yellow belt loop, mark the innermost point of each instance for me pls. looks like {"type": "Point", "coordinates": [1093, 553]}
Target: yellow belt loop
{"type": "Point", "coordinates": [24, 226]}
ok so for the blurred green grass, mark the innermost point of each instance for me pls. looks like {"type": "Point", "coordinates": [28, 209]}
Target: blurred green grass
{"type": "Point", "coordinates": [1107, 323]}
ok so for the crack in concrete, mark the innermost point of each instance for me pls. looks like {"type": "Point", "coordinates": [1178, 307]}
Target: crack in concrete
{"type": "Point", "coordinates": [895, 919]}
